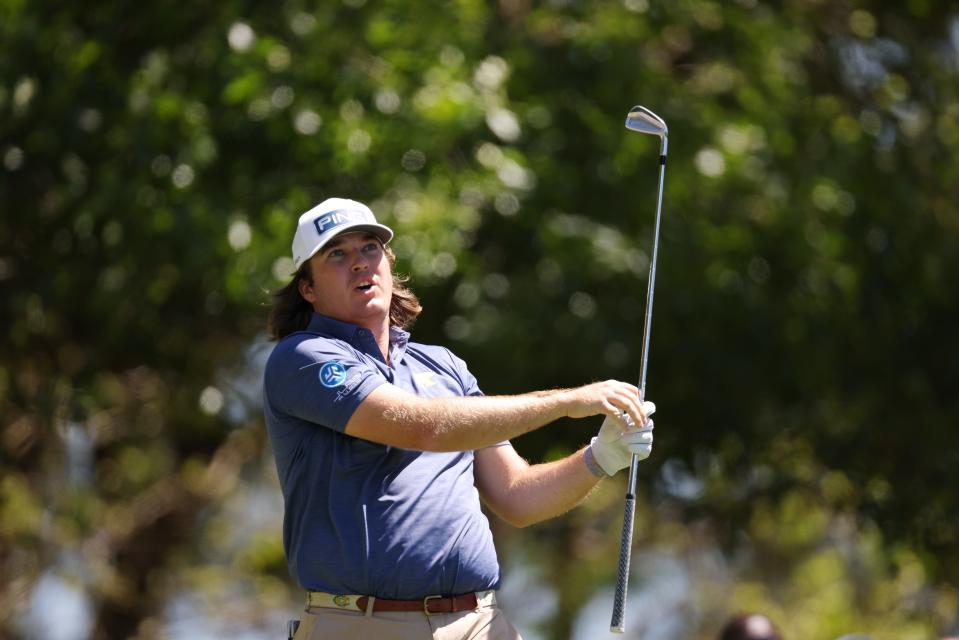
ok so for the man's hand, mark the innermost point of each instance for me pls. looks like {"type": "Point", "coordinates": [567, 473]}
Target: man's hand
{"type": "Point", "coordinates": [610, 398]}
{"type": "Point", "coordinates": [614, 446]}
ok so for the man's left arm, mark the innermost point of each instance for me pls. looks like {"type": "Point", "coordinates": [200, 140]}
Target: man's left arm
{"type": "Point", "coordinates": [523, 494]}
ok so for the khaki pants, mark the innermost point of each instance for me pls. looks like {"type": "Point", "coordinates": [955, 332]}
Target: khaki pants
{"type": "Point", "coordinates": [486, 623]}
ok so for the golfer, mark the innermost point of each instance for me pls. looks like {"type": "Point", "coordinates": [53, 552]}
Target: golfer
{"type": "Point", "coordinates": [385, 448]}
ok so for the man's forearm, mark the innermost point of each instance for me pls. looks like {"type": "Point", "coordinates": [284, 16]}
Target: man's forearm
{"type": "Point", "coordinates": [551, 489]}
{"type": "Point", "coordinates": [524, 494]}
{"type": "Point", "coordinates": [398, 418]}
{"type": "Point", "coordinates": [474, 422]}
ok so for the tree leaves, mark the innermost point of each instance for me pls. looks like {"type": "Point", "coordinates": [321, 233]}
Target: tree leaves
{"type": "Point", "coordinates": [154, 163]}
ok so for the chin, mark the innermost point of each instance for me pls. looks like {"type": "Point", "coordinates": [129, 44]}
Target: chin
{"type": "Point", "coordinates": [374, 309]}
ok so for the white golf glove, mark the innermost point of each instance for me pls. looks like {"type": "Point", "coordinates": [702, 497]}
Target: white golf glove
{"type": "Point", "coordinates": [613, 448]}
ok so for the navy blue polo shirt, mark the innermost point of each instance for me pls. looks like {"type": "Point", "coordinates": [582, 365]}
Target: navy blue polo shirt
{"type": "Point", "coordinates": [361, 517]}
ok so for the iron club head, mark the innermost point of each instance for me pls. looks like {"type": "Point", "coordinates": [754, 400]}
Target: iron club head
{"type": "Point", "coordinates": [643, 120]}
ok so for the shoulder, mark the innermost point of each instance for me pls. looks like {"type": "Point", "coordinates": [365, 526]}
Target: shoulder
{"type": "Point", "coordinates": [444, 361]}
{"type": "Point", "coordinates": [304, 348]}
{"type": "Point", "coordinates": [437, 353]}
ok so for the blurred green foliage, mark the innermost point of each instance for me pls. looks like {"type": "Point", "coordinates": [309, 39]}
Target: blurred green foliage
{"type": "Point", "coordinates": [153, 161]}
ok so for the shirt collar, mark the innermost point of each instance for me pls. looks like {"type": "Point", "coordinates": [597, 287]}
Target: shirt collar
{"type": "Point", "coordinates": [398, 341]}
{"type": "Point", "coordinates": [360, 338]}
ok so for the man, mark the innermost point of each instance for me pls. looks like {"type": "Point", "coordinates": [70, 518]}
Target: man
{"type": "Point", "coordinates": [385, 447]}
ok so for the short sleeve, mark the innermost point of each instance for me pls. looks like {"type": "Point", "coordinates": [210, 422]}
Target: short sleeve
{"type": "Point", "coordinates": [319, 380]}
{"type": "Point", "coordinates": [467, 380]}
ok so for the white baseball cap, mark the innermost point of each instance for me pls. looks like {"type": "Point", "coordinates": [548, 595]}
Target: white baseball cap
{"type": "Point", "coordinates": [330, 218]}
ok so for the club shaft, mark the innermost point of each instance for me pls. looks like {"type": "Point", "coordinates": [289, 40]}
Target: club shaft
{"type": "Point", "coordinates": [651, 283]}
{"type": "Point", "coordinates": [617, 623]}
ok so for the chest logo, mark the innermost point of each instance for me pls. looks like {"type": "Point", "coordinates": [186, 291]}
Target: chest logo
{"type": "Point", "coordinates": [332, 374]}
{"type": "Point", "coordinates": [424, 379]}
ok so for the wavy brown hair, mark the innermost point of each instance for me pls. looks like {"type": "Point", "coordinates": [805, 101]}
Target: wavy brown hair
{"type": "Point", "coordinates": [291, 313]}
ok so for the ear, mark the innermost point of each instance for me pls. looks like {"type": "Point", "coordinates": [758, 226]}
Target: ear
{"type": "Point", "coordinates": [306, 290]}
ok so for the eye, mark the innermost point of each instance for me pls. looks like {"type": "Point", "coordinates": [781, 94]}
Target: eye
{"type": "Point", "coordinates": [335, 253]}
{"type": "Point", "coordinates": [371, 247]}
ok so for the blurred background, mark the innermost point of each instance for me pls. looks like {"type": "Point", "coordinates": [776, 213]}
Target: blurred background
{"type": "Point", "coordinates": [155, 156]}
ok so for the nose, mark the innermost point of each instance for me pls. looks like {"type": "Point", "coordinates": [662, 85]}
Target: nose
{"type": "Point", "coordinates": [360, 262]}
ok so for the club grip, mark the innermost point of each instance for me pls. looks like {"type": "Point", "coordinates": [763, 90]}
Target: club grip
{"type": "Point", "coordinates": [617, 624]}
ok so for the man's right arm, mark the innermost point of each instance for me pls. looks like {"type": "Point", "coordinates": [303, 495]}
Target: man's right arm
{"type": "Point", "coordinates": [391, 416]}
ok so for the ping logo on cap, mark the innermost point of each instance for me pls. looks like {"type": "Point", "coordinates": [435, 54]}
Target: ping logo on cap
{"type": "Point", "coordinates": [336, 218]}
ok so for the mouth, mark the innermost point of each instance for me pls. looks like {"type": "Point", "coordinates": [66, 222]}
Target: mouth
{"type": "Point", "coordinates": [364, 286]}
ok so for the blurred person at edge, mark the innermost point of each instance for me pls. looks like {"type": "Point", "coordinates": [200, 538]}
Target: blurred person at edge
{"type": "Point", "coordinates": [750, 626]}
{"type": "Point", "coordinates": [385, 447]}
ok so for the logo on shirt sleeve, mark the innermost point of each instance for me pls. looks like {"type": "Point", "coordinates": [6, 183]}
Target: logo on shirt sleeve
{"type": "Point", "coordinates": [332, 374]}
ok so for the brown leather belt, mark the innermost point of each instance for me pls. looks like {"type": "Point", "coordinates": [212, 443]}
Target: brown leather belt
{"type": "Point", "coordinates": [429, 605]}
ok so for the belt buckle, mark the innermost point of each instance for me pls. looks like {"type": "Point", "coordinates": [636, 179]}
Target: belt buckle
{"type": "Point", "coordinates": [426, 607]}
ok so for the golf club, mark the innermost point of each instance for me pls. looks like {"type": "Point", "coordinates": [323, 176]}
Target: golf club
{"type": "Point", "coordinates": [642, 120]}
